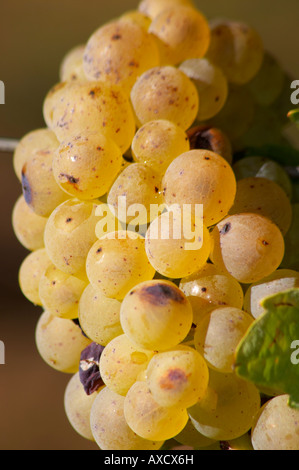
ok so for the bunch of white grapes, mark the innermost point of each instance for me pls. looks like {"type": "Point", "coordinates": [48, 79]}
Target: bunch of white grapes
{"type": "Point", "coordinates": [151, 110]}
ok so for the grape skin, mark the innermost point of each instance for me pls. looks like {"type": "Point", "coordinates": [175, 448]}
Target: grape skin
{"type": "Point", "coordinates": [71, 67]}
{"type": "Point", "coordinates": [30, 273]}
{"type": "Point", "coordinates": [28, 227]}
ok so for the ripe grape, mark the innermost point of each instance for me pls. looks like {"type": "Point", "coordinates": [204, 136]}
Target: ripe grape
{"type": "Point", "coordinates": [137, 17]}
{"type": "Point", "coordinates": [71, 67]}
{"type": "Point", "coordinates": [30, 272]}
{"type": "Point", "coordinates": [28, 227]}
{"type": "Point", "coordinates": [191, 437]}
{"type": "Point", "coordinates": [153, 8]}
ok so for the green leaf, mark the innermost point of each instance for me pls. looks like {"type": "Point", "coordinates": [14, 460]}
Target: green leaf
{"type": "Point", "coordinates": [267, 355]}
{"type": "Point", "coordinates": [294, 116]}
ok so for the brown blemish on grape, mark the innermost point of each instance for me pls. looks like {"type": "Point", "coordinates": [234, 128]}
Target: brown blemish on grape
{"type": "Point", "coordinates": [173, 379]}
{"type": "Point", "coordinates": [71, 179]}
{"type": "Point", "coordinates": [161, 294]}
{"type": "Point", "coordinates": [227, 227]}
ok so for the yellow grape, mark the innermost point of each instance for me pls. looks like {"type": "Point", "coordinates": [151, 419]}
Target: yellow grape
{"type": "Point", "coordinates": [71, 67]}
{"type": "Point", "coordinates": [28, 227]}
{"type": "Point", "coordinates": [121, 362]}
{"type": "Point", "coordinates": [248, 246]}
{"type": "Point", "coordinates": [150, 420]}
{"type": "Point", "coordinates": [177, 377]}
{"type": "Point", "coordinates": [117, 262]}
{"type": "Point", "coordinates": [30, 272]}
{"type": "Point", "coordinates": [211, 84]}
{"type": "Point", "coordinates": [201, 177]}
{"type": "Point", "coordinates": [165, 93]}
{"type": "Point", "coordinates": [60, 342]}
{"type": "Point", "coordinates": [158, 143]}
{"type": "Point", "coordinates": [86, 166]}
{"type": "Point", "coordinates": [99, 316]}
{"type": "Point", "coordinates": [52, 101]}
{"type": "Point", "coordinates": [262, 196]}
{"type": "Point", "coordinates": [204, 137]}
{"type": "Point", "coordinates": [153, 8]}
{"type": "Point", "coordinates": [119, 52]}
{"type": "Point", "coordinates": [191, 437]}
{"type": "Point", "coordinates": [60, 293]}
{"type": "Point", "coordinates": [182, 32]}
{"type": "Point", "coordinates": [237, 49]}
{"type": "Point", "coordinates": [156, 315]}
{"type": "Point", "coordinates": [109, 427]}
{"type": "Point", "coordinates": [137, 17]}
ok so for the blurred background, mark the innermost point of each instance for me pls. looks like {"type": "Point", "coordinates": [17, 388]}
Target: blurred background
{"type": "Point", "coordinates": [34, 37]}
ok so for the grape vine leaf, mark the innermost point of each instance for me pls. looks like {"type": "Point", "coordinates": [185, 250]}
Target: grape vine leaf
{"type": "Point", "coordinates": [268, 355]}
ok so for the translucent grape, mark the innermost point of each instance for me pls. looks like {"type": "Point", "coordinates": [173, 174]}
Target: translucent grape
{"type": "Point", "coordinates": [30, 273]}
{"type": "Point", "coordinates": [265, 197]}
{"type": "Point", "coordinates": [211, 84]}
{"type": "Point", "coordinates": [137, 17]}
{"type": "Point", "coordinates": [237, 404]}
{"type": "Point", "coordinates": [150, 420]}
{"type": "Point", "coordinates": [218, 335]}
{"type": "Point", "coordinates": [210, 288]}
{"type": "Point", "coordinates": [60, 342]}
{"type": "Point", "coordinates": [86, 166]}
{"type": "Point", "coordinates": [121, 363]}
{"type": "Point", "coordinates": [109, 427]}
{"type": "Point", "coordinates": [191, 437]}
{"type": "Point", "coordinates": [117, 263]}
{"type": "Point", "coordinates": [178, 377]}
{"type": "Point", "coordinates": [279, 281]}
{"type": "Point", "coordinates": [133, 193]}
{"type": "Point", "coordinates": [60, 293]}
{"type": "Point", "coordinates": [268, 84]}
{"type": "Point", "coordinates": [28, 227]}
{"type": "Point", "coordinates": [76, 108]}
{"type": "Point", "coordinates": [201, 177]}
{"type": "Point", "coordinates": [119, 52]}
{"type": "Point", "coordinates": [69, 235]}
{"type": "Point", "coordinates": [158, 143]}
{"type": "Point", "coordinates": [165, 93]}
{"type": "Point", "coordinates": [37, 143]}
{"type": "Point", "coordinates": [71, 67]}
{"type": "Point", "coordinates": [153, 8]}
{"type": "Point", "coordinates": [249, 246]}
{"type": "Point", "coordinates": [276, 427]}
{"type": "Point", "coordinates": [99, 316]}
{"type": "Point", "coordinates": [204, 137]}
{"type": "Point", "coordinates": [177, 244]}
{"type": "Point", "coordinates": [237, 49]}
{"type": "Point", "coordinates": [182, 32]}
{"type": "Point", "coordinates": [156, 315]}
{"type": "Point", "coordinates": [291, 256]}
{"type": "Point", "coordinates": [77, 406]}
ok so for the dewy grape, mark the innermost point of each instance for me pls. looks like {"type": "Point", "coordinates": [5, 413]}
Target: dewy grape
{"type": "Point", "coordinates": [155, 230]}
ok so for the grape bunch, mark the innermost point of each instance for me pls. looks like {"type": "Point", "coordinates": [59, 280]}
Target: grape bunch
{"type": "Point", "coordinates": [145, 315]}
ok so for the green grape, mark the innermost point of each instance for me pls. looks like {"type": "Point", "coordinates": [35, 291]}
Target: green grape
{"type": "Point", "coordinates": [153, 8]}
{"type": "Point", "coordinates": [117, 262]}
{"type": "Point", "coordinates": [158, 143]}
{"type": "Point", "coordinates": [248, 246]}
{"type": "Point", "coordinates": [204, 137]}
{"type": "Point", "coordinates": [77, 406]}
{"type": "Point", "coordinates": [30, 273]}
{"type": "Point", "coordinates": [134, 192]}
{"type": "Point", "coordinates": [191, 437]}
{"type": "Point", "coordinates": [291, 256]}
{"type": "Point", "coordinates": [268, 84]}
{"type": "Point", "coordinates": [201, 177]}
{"type": "Point", "coordinates": [150, 420]}
{"type": "Point", "coordinates": [182, 33]}
{"type": "Point", "coordinates": [279, 281]}
{"type": "Point", "coordinates": [60, 342]}
{"type": "Point", "coordinates": [38, 143]}
{"type": "Point", "coordinates": [265, 197]}
{"type": "Point", "coordinates": [121, 362]}
{"type": "Point", "coordinates": [156, 315]}
{"type": "Point", "coordinates": [232, 415]}
{"type": "Point", "coordinates": [75, 108]}
{"type": "Point", "coordinates": [262, 167]}
{"type": "Point", "coordinates": [28, 227]}
{"type": "Point", "coordinates": [86, 166]}
{"type": "Point", "coordinates": [165, 93]}
{"type": "Point", "coordinates": [237, 115]}
{"type": "Point", "coordinates": [69, 235]}
{"type": "Point", "coordinates": [109, 426]}
{"type": "Point", "coordinates": [218, 334]}
{"type": "Point", "coordinates": [60, 293]}
{"type": "Point", "coordinates": [210, 288]}
{"type": "Point", "coordinates": [178, 377]}
{"type": "Point", "coordinates": [119, 52]}
{"type": "Point", "coordinates": [237, 49]}
{"type": "Point", "coordinates": [99, 316]}
{"type": "Point", "coordinates": [136, 17]}
{"type": "Point", "coordinates": [177, 243]}
{"type": "Point", "coordinates": [71, 67]}
{"type": "Point", "coordinates": [276, 426]}
{"type": "Point", "coordinates": [211, 84]}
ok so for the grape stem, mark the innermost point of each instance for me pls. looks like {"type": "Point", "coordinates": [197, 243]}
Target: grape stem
{"type": "Point", "coordinates": [8, 145]}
